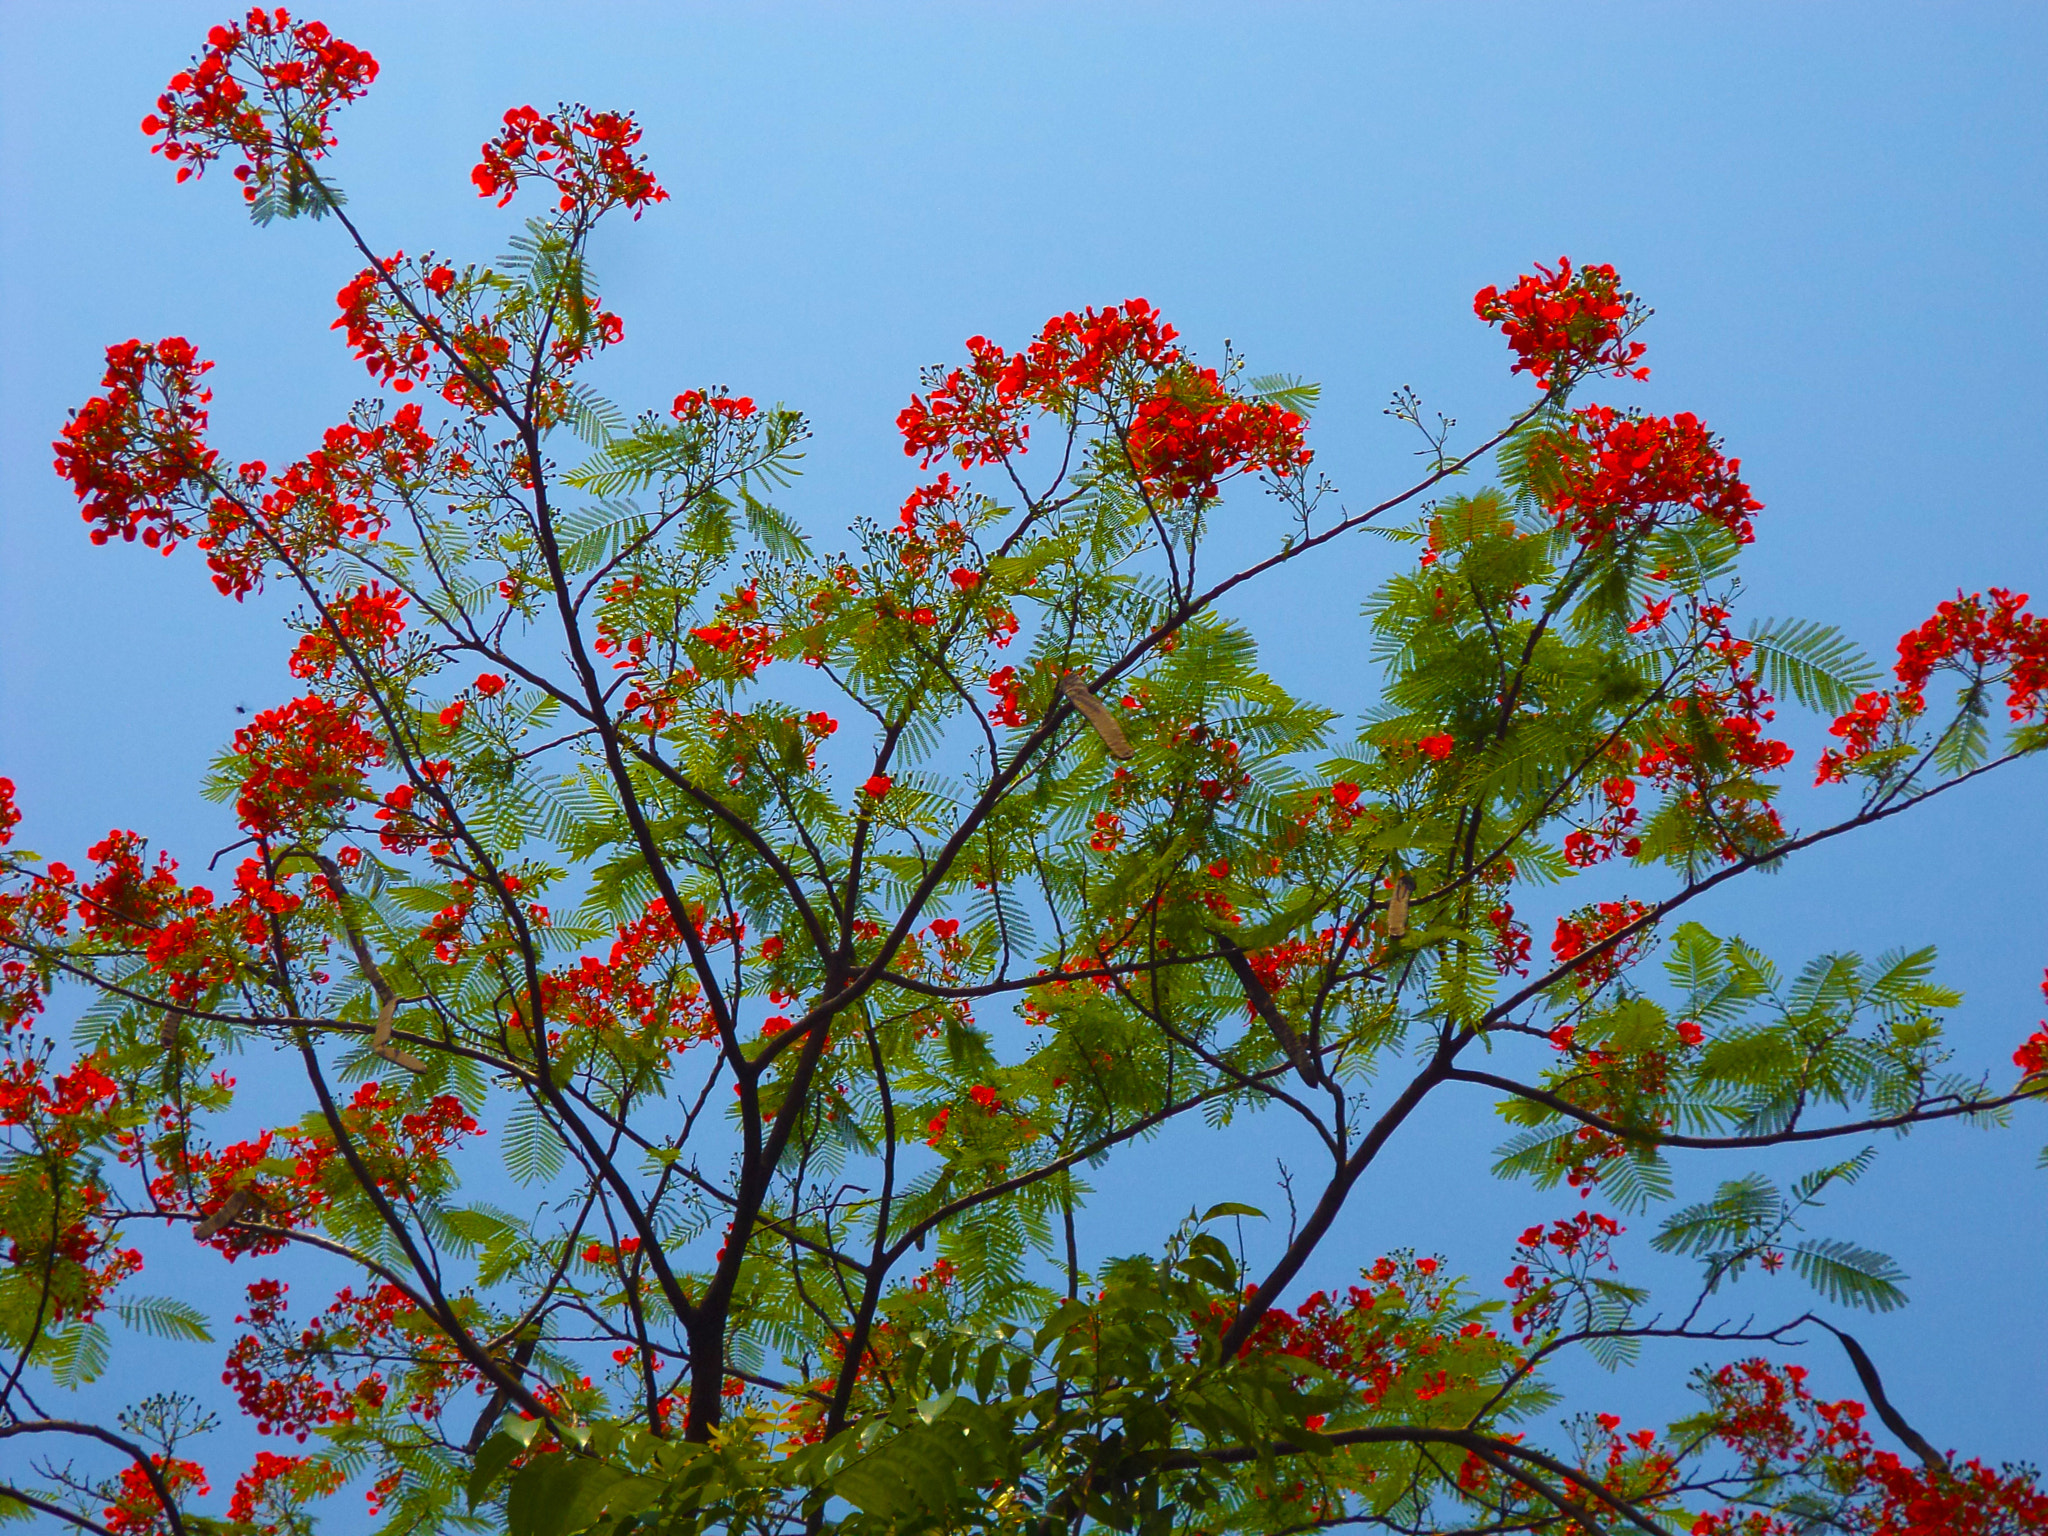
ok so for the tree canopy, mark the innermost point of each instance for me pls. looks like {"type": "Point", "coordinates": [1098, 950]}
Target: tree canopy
{"type": "Point", "coordinates": [712, 969]}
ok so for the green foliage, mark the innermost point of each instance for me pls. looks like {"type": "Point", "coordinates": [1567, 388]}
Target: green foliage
{"type": "Point", "coordinates": [705, 976]}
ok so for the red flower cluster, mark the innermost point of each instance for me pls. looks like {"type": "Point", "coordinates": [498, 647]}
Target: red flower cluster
{"type": "Point", "coordinates": [1587, 846]}
{"type": "Point", "coordinates": [381, 332]}
{"type": "Point", "coordinates": [183, 937]}
{"type": "Point", "coordinates": [36, 909]}
{"type": "Point", "coordinates": [1967, 636]}
{"type": "Point", "coordinates": [136, 455]}
{"type": "Point", "coordinates": [128, 901]}
{"type": "Point", "coordinates": [1617, 474]}
{"type": "Point", "coordinates": [1108, 833]}
{"type": "Point", "coordinates": [299, 760]}
{"type": "Point", "coordinates": [366, 623]}
{"type": "Point", "coordinates": [1076, 354]}
{"type": "Point", "coordinates": [1192, 433]}
{"type": "Point", "coordinates": [1580, 931]}
{"type": "Point", "coordinates": [1283, 966]}
{"type": "Point", "coordinates": [1185, 431]}
{"type": "Point", "coordinates": [586, 158]}
{"type": "Point", "coordinates": [1858, 727]}
{"type": "Point", "coordinates": [693, 403]}
{"type": "Point", "coordinates": [615, 997]}
{"type": "Point", "coordinates": [1377, 1340]}
{"type": "Point", "coordinates": [1549, 1258]}
{"type": "Point", "coordinates": [25, 1098]}
{"type": "Point", "coordinates": [73, 1245]}
{"type": "Point", "coordinates": [266, 66]}
{"type": "Point", "coordinates": [136, 1511]}
{"type": "Point", "coordinates": [1009, 694]}
{"type": "Point", "coordinates": [2004, 632]}
{"type": "Point", "coordinates": [742, 642]}
{"type": "Point", "coordinates": [326, 497]}
{"type": "Point", "coordinates": [402, 1159]}
{"type": "Point", "coordinates": [276, 1485]}
{"type": "Point", "coordinates": [271, 1370]}
{"type": "Point", "coordinates": [379, 314]}
{"type": "Point", "coordinates": [1568, 323]}
{"type": "Point", "coordinates": [1511, 941]}
{"type": "Point", "coordinates": [1771, 1420]}
{"type": "Point", "coordinates": [2032, 1056]}
{"type": "Point", "coordinates": [971, 413]}
{"type": "Point", "coordinates": [1715, 734]}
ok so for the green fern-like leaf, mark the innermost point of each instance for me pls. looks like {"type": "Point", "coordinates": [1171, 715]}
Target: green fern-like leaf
{"type": "Point", "coordinates": [532, 1151]}
{"type": "Point", "coordinates": [1850, 1275]}
{"type": "Point", "coordinates": [1740, 1210]}
{"type": "Point", "coordinates": [1285, 391]}
{"type": "Point", "coordinates": [1814, 663]}
{"type": "Point", "coordinates": [164, 1318]}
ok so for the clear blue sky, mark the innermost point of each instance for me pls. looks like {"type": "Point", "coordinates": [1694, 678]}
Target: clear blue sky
{"type": "Point", "coordinates": [1837, 211]}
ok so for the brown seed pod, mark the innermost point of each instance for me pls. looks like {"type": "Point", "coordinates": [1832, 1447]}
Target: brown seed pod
{"type": "Point", "coordinates": [1298, 1054]}
{"type": "Point", "coordinates": [1397, 906]}
{"type": "Point", "coordinates": [380, 1042]}
{"type": "Point", "coordinates": [1097, 714]}
{"type": "Point", "coordinates": [237, 1202]}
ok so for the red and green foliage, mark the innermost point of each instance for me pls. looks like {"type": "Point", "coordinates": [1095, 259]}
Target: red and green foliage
{"type": "Point", "coordinates": [706, 974]}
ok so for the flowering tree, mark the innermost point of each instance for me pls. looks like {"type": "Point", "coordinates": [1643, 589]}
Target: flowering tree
{"type": "Point", "coordinates": [698, 1082]}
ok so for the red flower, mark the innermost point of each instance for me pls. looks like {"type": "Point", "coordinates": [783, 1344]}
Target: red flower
{"type": "Point", "coordinates": [1589, 927]}
{"type": "Point", "coordinates": [1967, 636]}
{"type": "Point", "coordinates": [1858, 727]}
{"type": "Point", "coordinates": [1567, 323]}
{"type": "Point", "coordinates": [694, 402]}
{"type": "Point", "coordinates": [366, 623]}
{"type": "Point", "coordinates": [1009, 693]}
{"type": "Point", "coordinates": [264, 88]}
{"type": "Point", "coordinates": [1438, 747]}
{"type": "Point", "coordinates": [136, 1510]}
{"type": "Point", "coordinates": [2003, 632]}
{"type": "Point", "coordinates": [1109, 831]}
{"type": "Point", "coordinates": [583, 155]}
{"type": "Point", "coordinates": [1191, 434]}
{"type": "Point", "coordinates": [327, 497]}
{"type": "Point", "coordinates": [299, 760]}
{"type": "Point", "coordinates": [489, 684]}
{"type": "Point", "coordinates": [1617, 475]}
{"type": "Point", "coordinates": [877, 786]}
{"type": "Point", "coordinates": [137, 455]}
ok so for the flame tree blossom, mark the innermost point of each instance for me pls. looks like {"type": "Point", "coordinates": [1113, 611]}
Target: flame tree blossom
{"type": "Point", "coordinates": [808, 927]}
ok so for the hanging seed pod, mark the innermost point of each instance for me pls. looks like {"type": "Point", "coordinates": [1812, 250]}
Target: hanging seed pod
{"type": "Point", "coordinates": [237, 1202]}
{"type": "Point", "coordinates": [380, 1042]}
{"type": "Point", "coordinates": [1397, 906]}
{"type": "Point", "coordinates": [1299, 1056]}
{"type": "Point", "coordinates": [1097, 714]}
